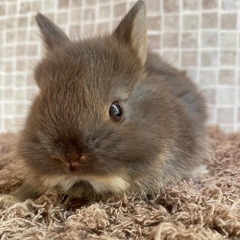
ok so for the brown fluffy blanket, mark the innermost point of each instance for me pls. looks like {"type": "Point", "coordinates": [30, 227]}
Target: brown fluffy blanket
{"type": "Point", "coordinates": [204, 208]}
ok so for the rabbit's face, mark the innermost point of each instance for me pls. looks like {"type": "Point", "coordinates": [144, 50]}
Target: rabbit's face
{"type": "Point", "coordinates": [86, 119]}
{"type": "Point", "coordinates": [90, 119]}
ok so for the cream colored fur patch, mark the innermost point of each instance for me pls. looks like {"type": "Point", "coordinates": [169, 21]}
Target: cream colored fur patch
{"type": "Point", "coordinates": [65, 182]}
{"type": "Point", "coordinates": [100, 184]}
{"type": "Point", "coordinates": [109, 183]}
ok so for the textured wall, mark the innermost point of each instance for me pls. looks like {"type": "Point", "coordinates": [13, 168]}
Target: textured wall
{"type": "Point", "coordinates": [201, 36]}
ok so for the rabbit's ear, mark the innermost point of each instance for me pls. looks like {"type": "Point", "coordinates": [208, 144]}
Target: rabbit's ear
{"type": "Point", "coordinates": [52, 35]}
{"type": "Point", "coordinates": [132, 30]}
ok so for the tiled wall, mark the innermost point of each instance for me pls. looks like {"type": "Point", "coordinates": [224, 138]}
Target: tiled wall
{"type": "Point", "coordinates": [201, 36]}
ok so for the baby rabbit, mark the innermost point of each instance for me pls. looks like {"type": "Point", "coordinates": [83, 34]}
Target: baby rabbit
{"type": "Point", "coordinates": [110, 117]}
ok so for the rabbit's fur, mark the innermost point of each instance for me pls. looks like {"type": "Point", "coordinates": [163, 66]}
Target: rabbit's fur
{"type": "Point", "coordinates": [70, 142]}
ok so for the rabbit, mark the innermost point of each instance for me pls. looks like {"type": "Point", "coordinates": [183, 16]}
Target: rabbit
{"type": "Point", "coordinates": [110, 117]}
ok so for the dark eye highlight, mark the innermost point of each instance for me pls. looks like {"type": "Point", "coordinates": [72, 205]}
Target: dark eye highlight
{"type": "Point", "coordinates": [116, 111]}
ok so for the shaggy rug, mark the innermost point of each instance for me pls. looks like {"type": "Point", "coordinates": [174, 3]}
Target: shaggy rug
{"type": "Point", "coordinates": [207, 207]}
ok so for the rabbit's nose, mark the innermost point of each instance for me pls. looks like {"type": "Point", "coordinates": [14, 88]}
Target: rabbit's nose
{"type": "Point", "coordinates": [73, 166]}
{"type": "Point", "coordinates": [76, 161]}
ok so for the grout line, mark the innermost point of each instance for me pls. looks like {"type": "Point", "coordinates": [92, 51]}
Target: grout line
{"type": "Point", "coordinates": [96, 11]}
{"type": "Point", "coordinates": [218, 60]}
{"type": "Point", "coordinates": [180, 35]}
{"type": "Point", "coordinates": [237, 73]}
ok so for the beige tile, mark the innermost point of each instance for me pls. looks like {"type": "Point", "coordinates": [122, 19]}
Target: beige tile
{"type": "Point", "coordinates": [38, 6]}
{"type": "Point", "coordinates": [209, 39]}
{"type": "Point", "coordinates": [32, 18]}
{"type": "Point", "coordinates": [20, 109]}
{"type": "Point", "coordinates": [11, 8]}
{"type": "Point", "coordinates": [2, 28]}
{"type": "Point", "coordinates": [209, 58]}
{"type": "Point", "coordinates": [47, 5]}
{"type": "Point", "coordinates": [75, 30]}
{"type": "Point", "coordinates": [9, 81]}
{"type": "Point", "coordinates": [115, 23]}
{"type": "Point", "coordinates": [2, 9]}
{"type": "Point", "coordinates": [103, 28]}
{"type": "Point", "coordinates": [226, 96]}
{"type": "Point", "coordinates": [21, 36]}
{"type": "Point", "coordinates": [208, 77]}
{"type": "Point", "coordinates": [153, 6]}
{"type": "Point", "coordinates": [209, 4]}
{"type": "Point", "coordinates": [229, 20]}
{"type": "Point", "coordinates": [209, 95]}
{"type": "Point", "coordinates": [1, 81]}
{"type": "Point", "coordinates": [79, 4]}
{"type": "Point", "coordinates": [171, 6]}
{"type": "Point", "coordinates": [9, 108]}
{"type": "Point", "coordinates": [8, 66]}
{"type": "Point", "coordinates": [191, 5]}
{"type": "Point", "coordinates": [25, 7]}
{"type": "Point", "coordinates": [75, 16]}
{"type": "Point", "coordinates": [153, 23]}
{"type": "Point", "coordinates": [89, 15]}
{"type": "Point", "coordinates": [19, 121]}
{"type": "Point", "coordinates": [189, 40]}
{"type": "Point", "coordinates": [2, 96]}
{"type": "Point", "coordinates": [9, 51]}
{"type": "Point", "coordinates": [228, 58]}
{"type": "Point", "coordinates": [104, 12]}
{"type": "Point", "coordinates": [21, 50]}
{"type": "Point", "coordinates": [32, 50]}
{"type": "Point", "coordinates": [34, 35]}
{"type": "Point", "coordinates": [9, 93]}
{"type": "Point", "coordinates": [225, 115]}
{"type": "Point", "coordinates": [189, 59]}
{"type": "Point", "coordinates": [238, 98]}
{"type": "Point", "coordinates": [228, 39]}
{"type": "Point", "coordinates": [229, 4]}
{"type": "Point", "coordinates": [170, 40]}
{"type": "Point", "coordinates": [210, 20]}
{"type": "Point", "coordinates": [19, 95]}
{"type": "Point", "coordinates": [238, 63]}
{"type": "Point", "coordinates": [22, 22]}
{"type": "Point", "coordinates": [63, 4]}
{"type": "Point", "coordinates": [21, 65]}
{"type": "Point", "coordinates": [227, 76]}
{"type": "Point", "coordinates": [91, 2]}
{"type": "Point", "coordinates": [11, 22]}
{"type": "Point", "coordinates": [190, 21]}
{"type": "Point", "coordinates": [154, 41]}
{"type": "Point", "coordinates": [62, 18]}
{"type": "Point", "coordinates": [192, 73]}
{"type": "Point", "coordinates": [171, 22]}
{"type": "Point", "coordinates": [119, 10]}
{"type": "Point", "coordinates": [9, 124]}
{"type": "Point", "coordinates": [88, 30]}
{"type": "Point", "coordinates": [10, 36]}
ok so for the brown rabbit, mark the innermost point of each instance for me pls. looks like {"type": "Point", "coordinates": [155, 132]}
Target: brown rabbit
{"type": "Point", "coordinates": [110, 117]}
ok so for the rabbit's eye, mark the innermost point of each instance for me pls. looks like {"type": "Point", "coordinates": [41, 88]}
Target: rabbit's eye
{"type": "Point", "coordinates": [116, 111]}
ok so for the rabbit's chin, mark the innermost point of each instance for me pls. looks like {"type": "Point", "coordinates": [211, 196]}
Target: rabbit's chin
{"type": "Point", "coordinates": [114, 184]}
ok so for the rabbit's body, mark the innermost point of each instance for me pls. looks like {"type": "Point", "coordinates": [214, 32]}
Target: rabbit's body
{"type": "Point", "coordinates": [109, 117]}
